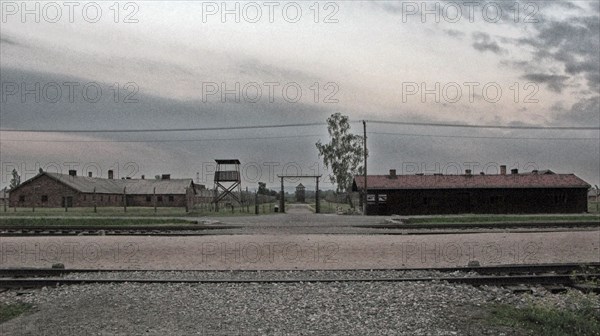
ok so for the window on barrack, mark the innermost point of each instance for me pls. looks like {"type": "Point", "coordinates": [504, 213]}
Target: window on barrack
{"type": "Point", "coordinates": [44, 198]}
{"type": "Point", "coordinates": [171, 198]}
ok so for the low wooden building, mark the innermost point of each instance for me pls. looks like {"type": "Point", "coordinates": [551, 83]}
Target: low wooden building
{"type": "Point", "coordinates": [532, 192]}
{"type": "Point", "coordinates": [53, 190]}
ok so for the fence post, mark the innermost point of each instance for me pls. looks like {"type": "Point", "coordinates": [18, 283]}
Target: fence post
{"type": "Point", "coordinates": [317, 200]}
{"type": "Point", "coordinates": [256, 202]}
{"type": "Point", "coordinates": [95, 204]}
{"type": "Point", "coordinates": [33, 199]}
{"type": "Point", "coordinates": [125, 199]}
{"type": "Point", "coordinates": [154, 197]}
{"type": "Point", "coordinates": [186, 200]}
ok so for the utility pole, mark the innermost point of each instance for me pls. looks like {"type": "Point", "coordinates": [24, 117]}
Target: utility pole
{"type": "Point", "coordinates": [365, 166]}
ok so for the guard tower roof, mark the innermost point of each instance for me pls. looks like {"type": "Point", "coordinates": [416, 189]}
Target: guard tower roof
{"type": "Point", "coordinates": [228, 161]}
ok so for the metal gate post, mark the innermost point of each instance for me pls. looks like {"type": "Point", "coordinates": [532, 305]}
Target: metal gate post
{"type": "Point", "coordinates": [282, 200]}
{"type": "Point", "coordinates": [317, 201]}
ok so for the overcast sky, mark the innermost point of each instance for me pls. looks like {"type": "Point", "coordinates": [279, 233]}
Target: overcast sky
{"type": "Point", "coordinates": [164, 64]}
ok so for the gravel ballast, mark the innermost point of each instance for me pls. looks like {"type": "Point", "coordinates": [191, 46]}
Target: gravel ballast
{"type": "Point", "coordinates": [351, 308]}
{"type": "Point", "coordinates": [254, 309]}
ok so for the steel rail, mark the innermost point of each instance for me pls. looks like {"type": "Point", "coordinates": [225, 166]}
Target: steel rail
{"type": "Point", "coordinates": [405, 229]}
{"type": "Point", "coordinates": [561, 268]}
{"type": "Point", "coordinates": [568, 280]}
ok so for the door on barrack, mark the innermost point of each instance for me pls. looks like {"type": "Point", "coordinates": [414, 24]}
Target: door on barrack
{"type": "Point", "coordinates": [67, 201]}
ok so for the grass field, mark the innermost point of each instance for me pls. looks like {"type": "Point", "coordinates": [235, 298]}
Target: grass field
{"type": "Point", "coordinates": [268, 208]}
{"type": "Point", "coordinates": [108, 222]}
{"type": "Point", "coordinates": [197, 211]}
{"type": "Point", "coordinates": [502, 218]}
{"type": "Point", "coordinates": [331, 207]}
{"type": "Point", "coordinates": [538, 319]}
{"type": "Point", "coordinates": [101, 211]}
{"type": "Point", "coordinates": [10, 311]}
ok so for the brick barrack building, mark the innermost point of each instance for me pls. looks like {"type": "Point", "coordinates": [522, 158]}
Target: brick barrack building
{"type": "Point", "coordinates": [531, 192]}
{"type": "Point", "coordinates": [53, 190]}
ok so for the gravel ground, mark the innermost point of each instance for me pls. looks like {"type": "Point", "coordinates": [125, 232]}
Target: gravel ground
{"type": "Point", "coordinates": [301, 252]}
{"type": "Point", "coordinates": [256, 309]}
{"type": "Point", "coordinates": [363, 308]}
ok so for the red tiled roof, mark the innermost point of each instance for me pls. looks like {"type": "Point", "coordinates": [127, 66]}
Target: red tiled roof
{"type": "Point", "coordinates": [470, 181]}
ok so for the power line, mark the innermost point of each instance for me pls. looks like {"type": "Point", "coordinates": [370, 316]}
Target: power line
{"type": "Point", "coordinates": [481, 137]}
{"type": "Point", "coordinates": [224, 128]}
{"type": "Point", "coordinates": [169, 140]}
{"type": "Point", "coordinates": [574, 128]}
{"type": "Point", "coordinates": [300, 136]}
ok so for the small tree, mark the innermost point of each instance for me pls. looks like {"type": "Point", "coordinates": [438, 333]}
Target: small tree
{"type": "Point", "coordinates": [344, 154]}
{"type": "Point", "coordinates": [262, 188]}
{"type": "Point", "coordinates": [15, 181]}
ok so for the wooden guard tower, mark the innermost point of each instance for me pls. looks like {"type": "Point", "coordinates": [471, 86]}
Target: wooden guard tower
{"type": "Point", "coordinates": [227, 180]}
{"type": "Point", "coordinates": [300, 193]}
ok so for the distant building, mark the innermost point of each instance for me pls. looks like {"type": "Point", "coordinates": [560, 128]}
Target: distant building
{"type": "Point", "coordinates": [4, 196]}
{"type": "Point", "coordinates": [53, 190]}
{"type": "Point", "coordinates": [594, 195]}
{"type": "Point", "coordinates": [300, 193]}
{"type": "Point", "coordinates": [532, 192]}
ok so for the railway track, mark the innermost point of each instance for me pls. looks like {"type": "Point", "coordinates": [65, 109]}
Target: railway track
{"type": "Point", "coordinates": [28, 230]}
{"type": "Point", "coordinates": [556, 277]}
{"type": "Point", "coordinates": [387, 229]}
{"type": "Point", "coordinates": [394, 224]}
{"type": "Point", "coordinates": [563, 268]}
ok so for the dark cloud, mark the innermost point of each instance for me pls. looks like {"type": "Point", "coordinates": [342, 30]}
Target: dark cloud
{"type": "Point", "coordinates": [575, 44]}
{"type": "Point", "coordinates": [584, 112]}
{"type": "Point", "coordinates": [555, 83]}
{"type": "Point", "coordinates": [454, 33]}
{"type": "Point", "coordinates": [483, 42]}
{"type": "Point", "coordinates": [149, 111]}
{"type": "Point", "coordinates": [7, 40]}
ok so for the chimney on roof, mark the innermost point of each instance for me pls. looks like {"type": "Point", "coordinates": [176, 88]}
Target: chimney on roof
{"type": "Point", "coordinates": [165, 177]}
{"type": "Point", "coordinates": [514, 171]}
{"type": "Point", "coordinates": [392, 173]}
{"type": "Point", "coordinates": [481, 173]}
{"type": "Point", "coordinates": [143, 177]}
{"type": "Point", "coordinates": [89, 174]}
{"type": "Point", "coordinates": [468, 172]}
{"type": "Point", "coordinates": [502, 170]}
{"type": "Point", "coordinates": [128, 178]}
{"type": "Point", "coordinates": [110, 174]}
{"type": "Point", "coordinates": [535, 171]}
{"type": "Point", "coordinates": [72, 172]}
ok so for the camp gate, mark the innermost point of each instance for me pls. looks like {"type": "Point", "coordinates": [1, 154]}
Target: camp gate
{"type": "Point", "coordinates": [282, 199]}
